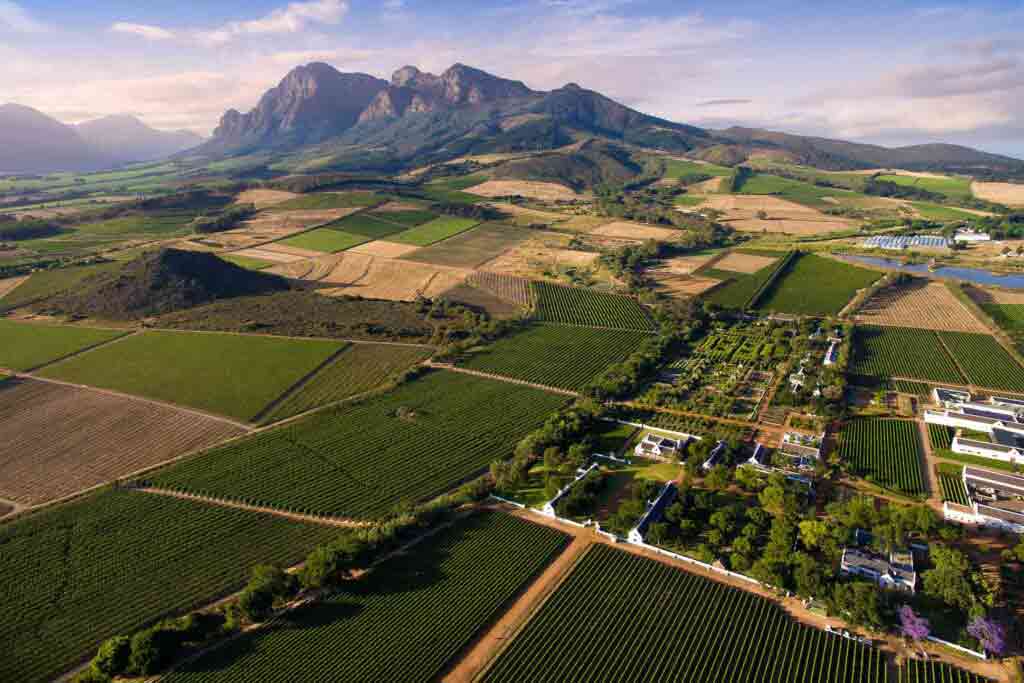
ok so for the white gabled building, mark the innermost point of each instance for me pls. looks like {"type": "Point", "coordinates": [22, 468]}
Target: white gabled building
{"type": "Point", "coordinates": [549, 507]}
{"type": "Point", "coordinates": [946, 397]}
{"type": "Point", "coordinates": [896, 573]}
{"type": "Point", "coordinates": [659, 447]}
{"type": "Point", "coordinates": [996, 500]}
{"type": "Point", "coordinates": [655, 511]}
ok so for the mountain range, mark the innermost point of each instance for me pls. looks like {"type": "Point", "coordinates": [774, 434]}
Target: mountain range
{"type": "Point", "coordinates": [354, 121]}
{"type": "Point", "coordinates": [32, 142]}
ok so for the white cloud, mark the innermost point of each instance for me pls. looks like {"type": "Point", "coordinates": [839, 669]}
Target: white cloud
{"type": "Point", "coordinates": [14, 17]}
{"type": "Point", "coordinates": [339, 55]}
{"type": "Point", "coordinates": [144, 30]}
{"type": "Point", "coordinates": [291, 19]}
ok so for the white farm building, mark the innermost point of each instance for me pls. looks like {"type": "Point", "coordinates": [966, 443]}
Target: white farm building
{"type": "Point", "coordinates": [996, 500]}
{"type": "Point", "coordinates": [1001, 419]}
{"type": "Point", "coordinates": [968, 236]}
{"type": "Point", "coordinates": [653, 514]}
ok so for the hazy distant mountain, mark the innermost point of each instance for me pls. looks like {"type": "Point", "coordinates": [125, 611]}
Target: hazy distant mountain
{"type": "Point", "coordinates": [125, 138]}
{"type": "Point", "coordinates": [359, 122]}
{"type": "Point", "coordinates": [32, 142]}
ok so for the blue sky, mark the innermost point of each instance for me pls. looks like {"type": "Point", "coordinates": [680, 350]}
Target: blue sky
{"type": "Point", "coordinates": [884, 72]}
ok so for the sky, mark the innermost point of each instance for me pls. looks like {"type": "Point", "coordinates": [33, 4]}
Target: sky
{"type": "Point", "coordinates": [890, 73]}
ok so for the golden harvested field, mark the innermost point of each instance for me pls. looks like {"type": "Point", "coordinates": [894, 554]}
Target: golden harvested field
{"type": "Point", "coordinates": [264, 198]}
{"type": "Point", "coordinates": [372, 277]}
{"type": "Point", "coordinates": [789, 227]}
{"type": "Point", "coordinates": [267, 255]}
{"type": "Point", "coordinates": [288, 250]}
{"type": "Point", "coordinates": [60, 439]}
{"type": "Point", "coordinates": [920, 304]}
{"type": "Point", "coordinates": [674, 284]}
{"type": "Point", "coordinates": [744, 263]}
{"type": "Point", "coordinates": [385, 249]}
{"type": "Point", "coordinates": [525, 217]}
{"type": "Point", "coordinates": [636, 231]}
{"type": "Point", "coordinates": [1010, 194]}
{"type": "Point", "coordinates": [685, 265]}
{"type": "Point", "coordinates": [534, 258]}
{"type": "Point", "coordinates": [506, 287]}
{"type": "Point", "coordinates": [711, 186]}
{"type": "Point", "coordinates": [551, 192]}
{"type": "Point", "coordinates": [743, 206]}
{"type": "Point", "coordinates": [7, 286]}
{"type": "Point", "coordinates": [267, 227]}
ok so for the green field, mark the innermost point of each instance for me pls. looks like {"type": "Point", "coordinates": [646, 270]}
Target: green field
{"type": "Point", "coordinates": [954, 188]}
{"type": "Point", "coordinates": [363, 224]}
{"type": "Point", "coordinates": [473, 247]}
{"type": "Point", "coordinates": [326, 240]}
{"type": "Point", "coordinates": [74, 575]}
{"type": "Point", "coordinates": [25, 346]}
{"type": "Point", "coordinates": [436, 230]}
{"type": "Point", "coordinates": [676, 169]}
{"type": "Point", "coordinates": [409, 218]}
{"type": "Point", "coordinates": [631, 619]}
{"type": "Point", "coordinates": [328, 200]}
{"type": "Point", "coordinates": [246, 261]}
{"type": "Point", "coordinates": [228, 374]}
{"type": "Point", "coordinates": [885, 452]}
{"type": "Point", "coordinates": [46, 283]}
{"type": "Point", "coordinates": [985, 362]}
{"type": "Point", "coordinates": [905, 386]}
{"type": "Point", "coordinates": [1010, 318]}
{"type": "Point", "coordinates": [360, 368]}
{"type": "Point", "coordinates": [362, 459]}
{"type": "Point", "coordinates": [937, 212]}
{"type": "Point", "coordinates": [688, 200]}
{"type": "Point", "coordinates": [555, 355]}
{"type": "Point", "coordinates": [149, 225]}
{"type": "Point", "coordinates": [405, 621]}
{"type": "Point", "coordinates": [813, 285]}
{"type": "Point", "coordinates": [740, 289]}
{"type": "Point", "coordinates": [451, 189]}
{"type": "Point", "coordinates": [575, 306]}
{"type": "Point", "coordinates": [902, 352]}
{"type": "Point", "coordinates": [792, 190]}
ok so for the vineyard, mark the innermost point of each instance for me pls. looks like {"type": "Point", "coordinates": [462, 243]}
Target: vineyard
{"type": "Point", "coordinates": [574, 306]}
{"type": "Point", "coordinates": [507, 287]}
{"type": "Point", "coordinates": [941, 437]}
{"type": "Point", "coordinates": [742, 290]}
{"type": "Point", "coordinates": [75, 575]}
{"type": "Point", "coordinates": [953, 489]}
{"type": "Point", "coordinates": [886, 452]}
{"type": "Point", "coordinates": [27, 346]}
{"type": "Point", "coordinates": [58, 440]}
{"type": "Point", "coordinates": [360, 368]}
{"type": "Point", "coordinates": [556, 355]}
{"type": "Point", "coordinates": [362, 459]}
{"type": "Point", "coordinates": [646, 621]}
{"type": "Point", "coordinates": [902, 352]}
{"type": "Point", "coordinates": [405, 621]}
{"type": "Point", "coordinates": [812, 285]}
{"type": "Point", "coordinates": [918, 671]}
{"type": "Point", "coordinates": [985, 362]}
{"type": "Point", "coordinates": [905, 386]}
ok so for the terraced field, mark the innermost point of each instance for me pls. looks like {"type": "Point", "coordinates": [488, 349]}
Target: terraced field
{"type": "Point", "coordinates": [885, 452]}
{"type": "Point", "coordinates": [573, 306]}
{"type": "Point", "coordinates": [77, 574]}
{"type": "Point", "coordinates": [24, 346]}
{"type": "Point", "coordinates": [557, 356]}
{"type": "Point", "coordinates": [362, 459]}
{"type": "Point", "coordinates": [405, 621]}
{"type": "Point", "coordinates": [640, 620]}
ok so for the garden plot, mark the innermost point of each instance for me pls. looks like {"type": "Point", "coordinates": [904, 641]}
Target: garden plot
{"type": "Point", "coordinates": [60, 439]}
{"type": "Point", "coordinates": [552, 192]}
{"type": "Point", "coordinates": [472, 248]}
{"type": "Point", "coordinates": [373, 277]}
{"type": "Point", "coordinates": [636, 231]}
{"type": "Point", "coordinates": [747, 264]}
{"type": "Point", "coordinates": [922, 304]}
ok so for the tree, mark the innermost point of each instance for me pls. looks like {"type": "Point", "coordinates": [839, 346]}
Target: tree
{"type": "Point", "coordinates": [113, 656]}
{"type": "Point", "coordinates": [151, 650]}
{"type": "Point", "coordinates": [913, 626]}
{"type": "Point", "coordinates": [808, 576]}
{"type": "Point", "coordinates": [812, 533]}
{"type": "Point", "coordinates": [948, 579]}
{"type": "Point", "coordinates": [718, 478]}
{"type": "Point", "coordinates": [991, 634]}
{"type": "Point", "coordinates": [859, 603]}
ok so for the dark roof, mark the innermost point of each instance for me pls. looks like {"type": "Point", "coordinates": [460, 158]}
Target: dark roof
{"type": "Point", "coordinates": [1000, 513]}
{"type": "Point", "coordinates": [657, 509]}
{"type": "Point", "coordinates": [996, 480]}
{"type": "Point", "coordinates": [999, 448]}
{"type": "Point", "coordinates": [980, 412]}
{"type": "Point", "coordinates": [1007, 438]}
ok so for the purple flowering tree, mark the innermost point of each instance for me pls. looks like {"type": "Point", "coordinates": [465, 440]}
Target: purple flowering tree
{"type": "Point", "coordinates": [990, 633]}
{"type": "Point", "coordinates": [913, 626]}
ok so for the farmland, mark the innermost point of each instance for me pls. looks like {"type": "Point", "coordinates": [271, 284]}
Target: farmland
{"type": "Point", "coordinates": [436, 230]}
{"type": "Point", "coordinates": [952, 187]}
{"type": "Point", "coordinates": [605, 618]}
{"type": "Point", "coordinates": [360, 368]}
{"type": "Point", "coordinates": [919, 671]}
{"type": "Point", "coordinates": [677, 169]}
{"type": "Point", "coordinates": [812, 285]}
{"type": "Point", "coordinates": [1010, 318]}
{"type": "Point", "coordinates": [508, 287]}
{"type": "Point", "coordinates": [953, 489]}
{"type": "Point", "coordinates": [367, 225]}
{"type": "Point", "coordinates": [741, 290]}
{"type": "Point", "coordinates": [46, 283]}
{"type": "Point", "coordinates": [572, 306]}
{"type": "Point", "coordinates": [326, 240]}
{"type": "Point", "coordinates": [921, 304]}
{"type": "Point", "coordinates": [408, 218]}
{"type": "Point", "coordinates": [473, 247]}
{"type": "Point", "coordinates": [328, 200]}
{"type": "Point", "coordinates": [792, 190]}
{"type": "Point", "coordinates": [556, 356]}
{"type": "Point", "coordinates": [885, 452]}
{"type": "Point", "coordinates": [405, 621]}
{"type": "Point", "coordinates": [361, 459]}
{"type": "Point", "coordinates": [228, 374]}
{"type": "Point", "coordinates": [61, 567]}
{"type": "Point", "coordinates": [60, 439]}
{"type": "Point", "coordinates": [27, 346]}
{"type": "Point", "coordinates": [984, 361]}
{"type": "Point", "coordinates": [902, 352]}
{"type": "Point", "coordinates": [940, 436]}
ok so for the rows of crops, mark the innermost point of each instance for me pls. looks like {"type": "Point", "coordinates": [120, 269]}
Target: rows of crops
{"type": "Point", "coordinates": [902, 352]}
{"type": "Point", "coordinates": [953, 489]}
{"type": "Point", "coordinates": [361, 459]}
{"type": "Point", "coordinates": [360, 368]}
{"type": "Point", "coordinates": [985, 362]}
{"type": "Point", "coordinates": [403, 622]}
{"type": "Point", "coordinates": [742, 289]}
{"type": "Point", "coordinates": [27, 346]}
{"type": "Point", "coordinates": [627, 618]}
{"type": "Point", "coordinates": [920, 671]}
{"type": "Point", "coordinates": [814, 285]}
{"type": "Point", "coordinates": [74, 575]}
{"type": "Point", "coordinates": [555, 355]}
{"type": "Point", "coordinates": [941, 437]}
{"type": "Point", "coordinates": [905, 386]}
{"type": "Point", "coordinates": [887, 452]}
{"type": "Point", "coordinates": [574, 306]}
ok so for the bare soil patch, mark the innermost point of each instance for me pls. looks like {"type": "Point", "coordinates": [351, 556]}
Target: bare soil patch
{"type": "Point", "coordinates": [684, 265]}
{"type": "Point", "coordinates": [1010, 194]}
{"type": "Point", "coordinates": [385, 249]}
{"type": "Point", "coordinates": [531, 261]}
{"type": "Point", "coordinates": [680, 285]}
{"type": "Point", "coordinates": [7, 286]}
{"type": "Point", "coordinates": [373, 277]}
{"type": "Point", "coordinates": [60, 439]}
{"type": "Point", "coordinates": [264, 198]}
{"type": "Point", "coordinates": [744, 263]}
{"type": "Point", "coordinates": [525, 188]}
{"type": "Point", "coordinates": [924, 305]}
{"type": "Point", "coordinates": [636, 231]}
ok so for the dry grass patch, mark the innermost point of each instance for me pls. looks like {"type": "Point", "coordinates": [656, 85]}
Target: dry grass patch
{"type": "Point", "coordinates": [385, 249]}
{"type": "Point", "coordinates": [674, 284]}
{"type": "Point", "coordinates": [8, 285]}
{"type": "Point", "coordinates": [997, 296]}
{"type": "Point", "coordinates": [288, 250]}
{"type": "Point", "coordinates": [60, 439]}
{"type": "Point", "coordinates": [745, 263]}
{"type": "Point", "coordinates": [790, 227]}
{"type": "Point", "coordinates": [264, 198]}
{"type": "Point", "coordinates": [273, 256]}
{"type": "Point", "coordinates": [525, 217]}
{"type": "Point", "coordinates": [685, 265]}
{"type": "Point", "coordinates": [551, 192]}
{"type": "Point", "coordinates": [920, 304]}
{"type": "Point", "coordinates": [636, 231]}
{"type": "Point", "coordinates": [1010, 194]}
{"type": "Point", "coordinates": [373, 277]}
{"type": "Point", "coordinates": [534, 258]}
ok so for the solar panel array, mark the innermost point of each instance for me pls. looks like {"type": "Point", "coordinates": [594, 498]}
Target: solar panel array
{"type": "Point", "coordinates": [903, 242]}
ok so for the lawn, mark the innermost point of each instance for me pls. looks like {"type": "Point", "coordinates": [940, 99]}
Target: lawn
{"type": "Point", "coordinates": [611, 437]}
{"type": "Point", "coordinates": [436, 230]}
{"type": "Point", "coordinates": [25, 346]}
{"type": "Point", "coordinates": [363, 224]}
{"type": "Point", "coordinates": [813, 285]}
{"type": "Point", "coordinates": [326, 240]}
{"type": "Point", "coordinates": [232, 375]}
{"type": "Point", "coordinates": [328, 200]}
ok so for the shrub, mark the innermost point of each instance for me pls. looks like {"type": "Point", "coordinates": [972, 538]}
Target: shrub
{"type": "Point", "coordinates": [113, 655]}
